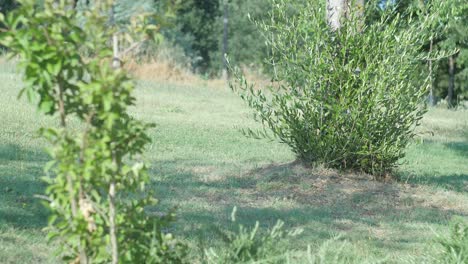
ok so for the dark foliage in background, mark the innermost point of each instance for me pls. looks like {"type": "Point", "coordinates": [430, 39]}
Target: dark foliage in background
{"type": "Point", "coordinates": [6, 6]}
{"type": "Point", "coordinates": [450, 33]}
{"type": "Point", "coordinates": [197, 27]}
{"type": "Point", "coordinates": [197, 20]}
{"type": "Point", "coordinates": [199, 31]}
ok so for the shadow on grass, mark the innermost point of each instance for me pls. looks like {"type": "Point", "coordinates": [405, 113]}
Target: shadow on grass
{"type": "Point", "coordinates": [453, 182]}
{"type": "Point", "coordinates": [460, 147]}
{"type": "Point", "coordinates": [319, 201]}
{"type": "Point", "coordinates": [13, 152]}
{"type": "Point", "coordinates": [20, 172]}
{"type": "Point", "coordinates": [456, 182]}
{"type": "Point", "coordinates": [450, 178]}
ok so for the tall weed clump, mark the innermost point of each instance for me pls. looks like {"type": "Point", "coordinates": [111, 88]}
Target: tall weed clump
{"type": "Point", "coordinates": [455, 246]}
{"type": "Point", "coordinates": [346, 98]}
{"type": "Point", "coordinates": [250, 245]}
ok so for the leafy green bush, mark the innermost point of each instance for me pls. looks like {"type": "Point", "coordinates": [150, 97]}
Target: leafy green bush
{"type": "Point", "coordinates": [347, 98]}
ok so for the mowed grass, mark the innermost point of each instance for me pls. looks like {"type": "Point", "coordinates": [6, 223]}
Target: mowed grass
{"type": "Point", "coordinates": [202, 164]}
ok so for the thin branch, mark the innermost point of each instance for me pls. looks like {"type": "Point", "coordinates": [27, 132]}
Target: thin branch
{"type": "Point", "coordinates": [43, 197]}
{"type": "Point", "coordinates": [112, 224]}
{"type": "Point", "coordinates": [61, 104]}
{"type": "Point", "coordinates": [112, 187]}
{"type": "Point", "coordinates": [84, 144]}
{"type": "Point", "coordinates": [83, 257]}
{"type": "Point", "coordinates": [132, 47]}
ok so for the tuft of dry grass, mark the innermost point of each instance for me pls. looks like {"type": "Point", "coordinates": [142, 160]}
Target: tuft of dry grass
{"type": "Point", "coordinates": [166, 71]}
{"type": "Point", "coordinates": [162, 70]}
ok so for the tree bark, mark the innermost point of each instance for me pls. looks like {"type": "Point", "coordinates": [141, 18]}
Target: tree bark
{"type": "Point", "coordinates": [336, 10]}
{"type": "Point", "coordinates": [112, 224]}
{"type": "Point", "coordinates": [451, 86]}
{"type": "Point", "coordinates": [432, 100]}
{"type": "Point", "coordinates": [83, 258]}
{"type": "Point", "coordinates": [112, 187]}
{"type": "Point", "coordinates": [115, 48]}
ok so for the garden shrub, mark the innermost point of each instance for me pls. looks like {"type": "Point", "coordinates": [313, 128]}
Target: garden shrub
{"type": "Point", "coordinates": [346, 99]}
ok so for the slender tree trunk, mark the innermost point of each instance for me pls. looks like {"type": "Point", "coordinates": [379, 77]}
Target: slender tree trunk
{"type": "Point", "coordinates": [225, 40]}
{"type": "Point", "coordinates": [112, 187]}
{"type": "Point", "coordinates": [432, 100]}
{"type": "Point", "coordinates": [115, 48]}
{"type": "Point", "coordinates": [451, 86]}
{"type": "Point", "coordinates": [83, 258]}
{"type": "Point", "coordinates": [112, 224]}
{"type": "Point", "coordinates": [112, 205]}
{"type": "Point", "coordinates": [336, 10]}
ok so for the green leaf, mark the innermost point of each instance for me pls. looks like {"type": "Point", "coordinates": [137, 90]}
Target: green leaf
{"type": "Point", "coordinates": [47, 106]}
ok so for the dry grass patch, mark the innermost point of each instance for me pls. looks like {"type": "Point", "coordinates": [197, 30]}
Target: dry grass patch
{"type": "Point", "coordinates": [170, 72]}
{"type": "Point", "coordinates": [353, 192]}
{"type": "Point", "coordinates": [163, 71]}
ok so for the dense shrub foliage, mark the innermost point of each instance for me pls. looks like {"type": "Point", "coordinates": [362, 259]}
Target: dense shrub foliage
{"type": "Point", "coordinates": [347, 98]}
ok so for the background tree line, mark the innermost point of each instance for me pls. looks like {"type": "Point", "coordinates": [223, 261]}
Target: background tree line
{"type": "Point", "coordinates": [196, 27]}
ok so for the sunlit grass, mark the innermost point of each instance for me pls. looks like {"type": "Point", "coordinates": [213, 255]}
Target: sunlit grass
{"type": "Point", "coordinates": [202, 164]}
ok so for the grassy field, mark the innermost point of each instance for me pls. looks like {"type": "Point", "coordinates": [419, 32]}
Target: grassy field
{"type": "Point", "coordinates": [201, 163]}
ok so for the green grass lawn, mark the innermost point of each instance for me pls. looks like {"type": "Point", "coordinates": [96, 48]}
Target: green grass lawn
{"type": "Point", "coordinates": [202, 164]}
